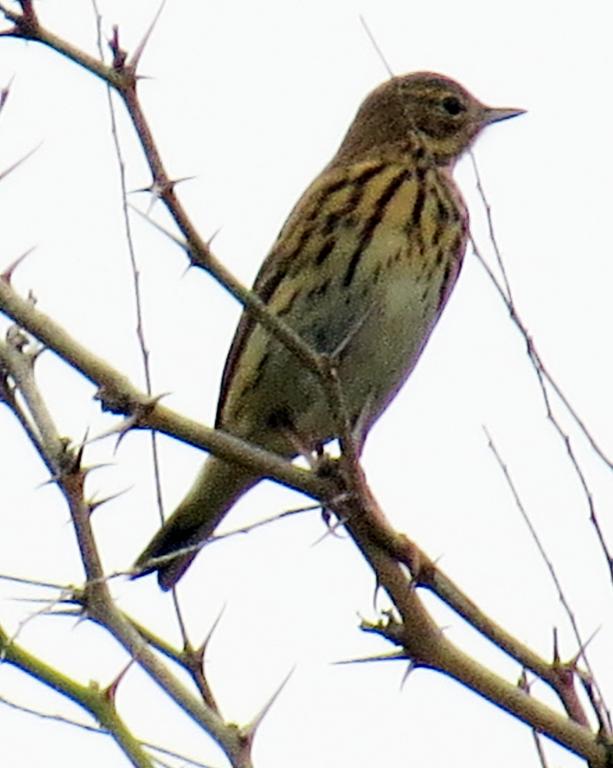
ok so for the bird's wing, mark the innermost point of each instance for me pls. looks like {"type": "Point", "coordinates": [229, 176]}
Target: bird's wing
{"type": "Point", "coordinates": [302, 235]}
{"type": "Point", "coordinates": [270, 275]}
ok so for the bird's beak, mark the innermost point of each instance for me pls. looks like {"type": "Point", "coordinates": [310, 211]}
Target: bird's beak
{"type": "Point", "coordinates": [496, 114]}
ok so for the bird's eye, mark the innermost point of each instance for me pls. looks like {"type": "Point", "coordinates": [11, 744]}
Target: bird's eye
{"type": "Point", "coordinates": [452, 105]}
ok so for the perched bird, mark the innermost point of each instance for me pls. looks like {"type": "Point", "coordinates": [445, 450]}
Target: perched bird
{"type": "Point", "coordinates": [363, 267]}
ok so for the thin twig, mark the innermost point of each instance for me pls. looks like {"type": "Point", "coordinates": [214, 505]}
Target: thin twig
{"type": "Point", "coordinates": [138, 303]}
{"type": "Point", "coordinates": [544, 378]}
{"type": "Point", "coordinates": [577, 715]}
{"type": "Point", "coordinates": [534, 355]}
{"type": "Point", "coordinates": [97, 730]}
{"type": "Point", "coordinates": [375, 45]}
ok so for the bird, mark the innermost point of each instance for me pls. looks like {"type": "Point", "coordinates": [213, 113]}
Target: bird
{"type": "Point", "coordinates": [361, 270]}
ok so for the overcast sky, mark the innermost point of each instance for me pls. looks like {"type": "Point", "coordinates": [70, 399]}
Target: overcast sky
{"type": "Point", "coordinates": [252, 99]}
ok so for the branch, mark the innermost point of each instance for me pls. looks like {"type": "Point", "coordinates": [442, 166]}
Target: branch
{"type": "Point", "coordinates": [95, 597]}
{"type": "Point", "coordinates": [92, 699]}
{"type": "Point", "coordinates": [118, 395]}
{"type": "Point", "coordinates": [386, 551]}
{"type": "Point", "coordinates": [426, 645]}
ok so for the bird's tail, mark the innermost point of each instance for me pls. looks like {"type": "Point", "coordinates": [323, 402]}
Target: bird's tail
{"type": "Point", "coordinates": [217, 487]}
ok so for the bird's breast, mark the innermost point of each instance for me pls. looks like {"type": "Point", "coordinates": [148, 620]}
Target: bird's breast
{"type": "Point", "coordinates": [368, 260]}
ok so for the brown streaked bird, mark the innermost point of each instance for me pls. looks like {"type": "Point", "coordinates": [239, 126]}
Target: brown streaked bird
{"type": "Point", "coordinates": [364, 264]}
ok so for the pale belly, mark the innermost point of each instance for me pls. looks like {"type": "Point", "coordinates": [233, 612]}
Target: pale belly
{"type": "Point", "coordinates": [377, 332]}
{"type": "Point", "coordinates": [369, 297]}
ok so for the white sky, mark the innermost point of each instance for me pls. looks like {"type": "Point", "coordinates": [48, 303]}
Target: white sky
{"type": "Point", "coordinates": [252, 99]}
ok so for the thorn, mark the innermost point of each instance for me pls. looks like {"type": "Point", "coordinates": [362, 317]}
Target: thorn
{"type": "Point", "coordinates": [131, 422]}
{"type": "Point", "coordinates": [209, 242]}
{"type": "Point", "coordinates": [391, 656]}
{"type": "Point", "coordinates": [93, 467]}
{"type": "Point", "coordinates": [40, 601]}
{"type": "Point", "coordinates": [76, 613]}
{"type": "Point", "coordinates": [111, 690]}
{"type": "Point", "coordinates": [138, 78]}
{"type": "Point", "coordinates": [71, 461]}
{"type": "Point", "coordinates": [112, 405]}
{"type": "Point", "coordinates": [155, 196]}
{"type": "Point", "coordinates": [124, 426]}
{"type": "Point", "coordinates": [575, 659]}
{"type": "Point", "coordinates": [375, 593]}
{"type": "Point", "coordinates": [94, 504]}
{"type": "Point", "coordinates": [81, 449]}
{"type": "Point", "coordinates": [410, 667]}
{"type": "Point", "coordinates": [556, 649]}
{"type": "Point", "coordinates": [191, 264]}
{"type": "Point", "coordinates": [248, 732]}
{"type": "Point", "coordinates": [138, 412]}
{"type": "Point", "coordinates": [159, 188]}
{"type": "Point", "coordinates": [35, 583]}
{"type": "Point", "coordinates": [81, 617]}
{"type": "Point", "coordinates": [51, 480]}
{"type": "Point", "coordinates": [133, 63]}
{"type": "Point", "coordinates": [8, 272]}
{"type": "Point", "coordinates": [17, 163]}
{"type": "Point", "coordinates": [201, 651]}
{"type": "Point", "coordinates": [413, 581]}
{"type": "Point", "coordinates": [119, 55]}
{"type": "Point", "coordinates": [4, 93]}
{"type": "Point", "coordinates": [149, 189]}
